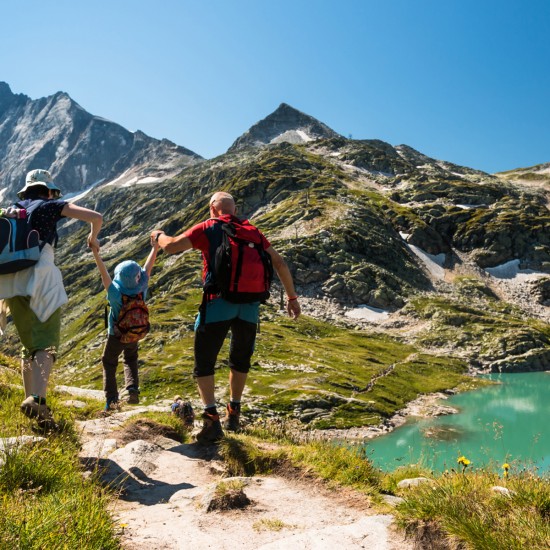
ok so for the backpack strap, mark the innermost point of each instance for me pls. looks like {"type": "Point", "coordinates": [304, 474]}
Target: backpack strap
{"type": "Point", "coordinates": [228, 230]}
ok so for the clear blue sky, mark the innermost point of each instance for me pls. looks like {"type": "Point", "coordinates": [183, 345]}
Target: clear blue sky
{"type": "Point", "coordinates": [466, 81]}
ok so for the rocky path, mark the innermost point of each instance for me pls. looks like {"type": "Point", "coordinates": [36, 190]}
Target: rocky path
{"type": "Point", "coordinates": [167, 488]}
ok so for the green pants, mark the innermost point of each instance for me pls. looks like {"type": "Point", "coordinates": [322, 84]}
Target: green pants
{"type": "Point", "coordinates": [34, 334]}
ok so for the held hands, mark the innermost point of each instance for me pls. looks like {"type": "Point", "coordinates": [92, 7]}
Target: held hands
{"type": "Point", "coordinates": [93, 243]}
{"type": "Point", "coordinates": [154, 238]}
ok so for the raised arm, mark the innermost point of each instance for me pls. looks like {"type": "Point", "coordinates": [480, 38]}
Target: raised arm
{"type": "Point", "coordinates": [95, 219]}
{"type": "Point", "coordinates": [105, 277]}
{"type": "Point", "coordinates": [171, 245]}
{"type": "Point", "coordinates": [281, 268]}
{"type": "Point", "coordinates": [150, 261]}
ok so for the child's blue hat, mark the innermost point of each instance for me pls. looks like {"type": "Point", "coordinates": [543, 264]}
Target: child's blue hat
{"type": "Point", "coordinates": [130, 278]}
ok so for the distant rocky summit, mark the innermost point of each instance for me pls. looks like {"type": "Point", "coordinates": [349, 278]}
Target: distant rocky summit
{"type": "Point", "coordinates": [285, 124]}
{"type": "Point", "coordinates": [79, 149]}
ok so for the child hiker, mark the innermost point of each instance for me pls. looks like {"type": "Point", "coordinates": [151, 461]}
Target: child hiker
{"type": "Point", "coordinates": [126, 294]}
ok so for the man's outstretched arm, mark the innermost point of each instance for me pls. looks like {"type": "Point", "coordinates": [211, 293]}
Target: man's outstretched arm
{"type": "Point", "coordinates": [171, 245]}
{"type": "Point", "coordinates": [281, 268]}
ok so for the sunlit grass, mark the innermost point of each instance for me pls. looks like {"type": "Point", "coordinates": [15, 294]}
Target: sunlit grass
{"type": "Point", "coordinates": [46, 501]}
{"type": "Point", "coordinates": [459, 505]}
{"type": "Point", "coordinates": [464, 507]}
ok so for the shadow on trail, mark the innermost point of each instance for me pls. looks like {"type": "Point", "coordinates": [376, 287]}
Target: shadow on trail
{"type": "Point", "coordinates": [137, 477]}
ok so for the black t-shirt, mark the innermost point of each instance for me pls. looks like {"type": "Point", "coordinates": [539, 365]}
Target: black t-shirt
{"type": "Point", "coordinates": [44, 217]}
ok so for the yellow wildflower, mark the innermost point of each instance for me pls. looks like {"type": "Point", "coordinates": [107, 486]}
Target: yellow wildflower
{"type": "Point", "coordinates": [464, 461]}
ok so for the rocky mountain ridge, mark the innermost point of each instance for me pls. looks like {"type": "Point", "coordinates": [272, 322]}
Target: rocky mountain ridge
{"type": "Point", "coordinates": [79, 149]}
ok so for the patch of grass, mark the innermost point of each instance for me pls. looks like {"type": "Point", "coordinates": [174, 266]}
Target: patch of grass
{"type": "Point", "coordinates": [45, 501]}
{"type": "Point", "coordinates": [271, 524]}
{"type": "Point", "coordinates": [338, 465]}
{"type": "Point", "coordinates": [457, 506]}
{"type": "Point", "coordinates": [243, 457]}
{"type": "Point", "coordinates": [465, 509]}
{"type": "Point", "coordinates": [152, 424]}
{"type": "Point", "coordinates": [225, 487]}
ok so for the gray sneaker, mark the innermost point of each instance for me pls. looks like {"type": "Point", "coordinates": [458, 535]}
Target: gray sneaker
{"type": "Point", "coordinates": [43, 414]}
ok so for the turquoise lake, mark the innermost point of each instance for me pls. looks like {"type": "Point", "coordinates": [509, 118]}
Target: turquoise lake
{"type": "Point", "coordinates": [508, 422]}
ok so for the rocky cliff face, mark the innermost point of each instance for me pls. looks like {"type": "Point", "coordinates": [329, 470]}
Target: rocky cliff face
{"type": "Point", "coordinates": [79, 149]}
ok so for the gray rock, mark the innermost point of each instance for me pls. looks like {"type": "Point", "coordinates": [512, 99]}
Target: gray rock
{"type": "Point", "coordinates": [503, 491]}
{"type": "Point", "coordinates": [74, 403]}
{"type": "Point", "coordinates": [411, 482]}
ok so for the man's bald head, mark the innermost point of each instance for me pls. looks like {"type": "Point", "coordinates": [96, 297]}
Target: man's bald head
{"type": "Point", "coordinates": [223, 203]}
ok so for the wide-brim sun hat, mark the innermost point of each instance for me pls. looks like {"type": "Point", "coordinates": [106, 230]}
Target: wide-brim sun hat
{"type": "Point", "coordinates": [130, 278]}
{"type": "Point", "coordinates": [38, 177]}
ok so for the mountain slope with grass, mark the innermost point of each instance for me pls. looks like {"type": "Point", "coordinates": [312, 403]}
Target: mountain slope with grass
{"type": "Point", "coordinates": [413, 274]}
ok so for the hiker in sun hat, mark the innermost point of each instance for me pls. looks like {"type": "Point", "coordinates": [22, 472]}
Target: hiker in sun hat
{"type": "Point", "coordinates": [126, 294]}
{"type": "Point", "coordinates": [36, 294]}
{"type": "Point", "coordinates": [39, 178]}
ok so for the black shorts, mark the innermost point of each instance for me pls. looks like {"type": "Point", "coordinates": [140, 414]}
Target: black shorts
{"type": "Point", "coordinates": [209, 340]}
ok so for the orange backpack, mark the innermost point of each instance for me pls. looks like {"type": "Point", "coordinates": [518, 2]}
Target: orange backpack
{"type": "Point", "coordinates": [133, 319]}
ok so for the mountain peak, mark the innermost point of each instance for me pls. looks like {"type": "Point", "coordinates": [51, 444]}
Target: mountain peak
{"type": "Point", "coordinates": [78, 148]}
{"type": "Point", "coordinates": [5, 88]}
{"type": "Point", "coordinates": [8, 98]}
{"type": "Point", "coordinates": [284, 124]}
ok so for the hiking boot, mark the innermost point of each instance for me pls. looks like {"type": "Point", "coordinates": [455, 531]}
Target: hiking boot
{"type": "Point", "coordinates": [232, 422]}
{"type": "Point", "coordinates": [185, 411]}
{"type": "Point", "coordinates": [112, 404]}
{"type": "Point", "coordinates": [32, 409]}
{"type": "Point", "coordinates": [211, 429]}
{"type": "Point", "coordinates": [133, 396]}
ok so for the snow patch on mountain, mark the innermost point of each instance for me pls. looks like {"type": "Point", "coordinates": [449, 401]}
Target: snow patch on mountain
{"type": "Point", "coordinates": [511, 270]}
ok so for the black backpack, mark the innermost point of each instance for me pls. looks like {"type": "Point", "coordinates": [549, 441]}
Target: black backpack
{"type": "Point", "coordinates": [20, 244]}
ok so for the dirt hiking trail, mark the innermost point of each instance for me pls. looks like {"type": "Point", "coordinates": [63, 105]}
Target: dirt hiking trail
{"type": "Point", "coordinates": [166, 489]}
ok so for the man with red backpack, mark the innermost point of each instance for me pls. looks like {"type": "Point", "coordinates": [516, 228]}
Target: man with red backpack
{"type": "Point", "coordinates": [238, 262]}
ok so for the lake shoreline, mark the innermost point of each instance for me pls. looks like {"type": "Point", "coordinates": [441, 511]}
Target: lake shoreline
{"type": "Point", "coordinates": [424, 406]}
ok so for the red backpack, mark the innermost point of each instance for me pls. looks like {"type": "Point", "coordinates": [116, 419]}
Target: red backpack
{"type": "Point", "coordinates": [133, 319]}
{"type": "Point", "coordinates": [241, 270]}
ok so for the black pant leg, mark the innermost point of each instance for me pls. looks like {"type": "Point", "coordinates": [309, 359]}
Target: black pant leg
{"type": "Point", "coordinates": [208, 342]}
{"type": "Point", "coordinates": [243, 339]}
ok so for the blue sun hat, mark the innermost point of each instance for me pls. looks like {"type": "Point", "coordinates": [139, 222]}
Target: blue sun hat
{"type": "Point", "coordinates": [130, 278]}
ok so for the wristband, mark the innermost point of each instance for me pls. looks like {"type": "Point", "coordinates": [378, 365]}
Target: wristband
{"type": "Point", "coordinates": [293, 298]}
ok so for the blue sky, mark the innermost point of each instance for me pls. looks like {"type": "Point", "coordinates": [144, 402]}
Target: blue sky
{"type": "Point", "coordinates": [464, 81]}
